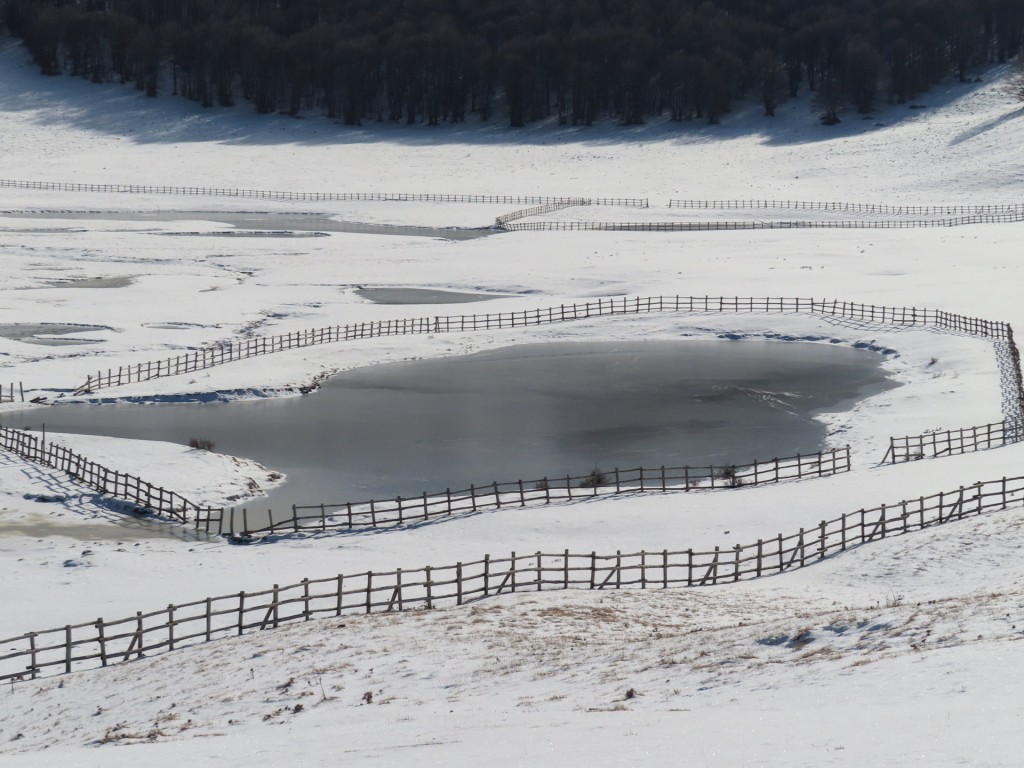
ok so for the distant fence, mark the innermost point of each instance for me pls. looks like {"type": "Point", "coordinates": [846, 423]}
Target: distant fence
{"type": "Point", "coordinates": [121, 485]}
{"type": "Point", "coordinates": [12, 395]}
{"type": "Point", "coordinates": [504, 220]}
{"type": "Point", "coordinates": [895, 210]}
{"type": "Point", "coordinates": [240, 350]}
{"type": "Point", "coordinates": [101, 643]}
{"type": "Point", "coordinates": [953, 441]}
{"type": "Point", "coordinates": [712, 226]}
{"type": "Point", "coordinates": [478, 498]}
{"type": "Point", "coordinates": [318, 196]}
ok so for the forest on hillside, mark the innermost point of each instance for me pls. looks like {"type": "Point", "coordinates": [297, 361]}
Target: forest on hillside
{"type": "Point", "coordinates": [428, 61]}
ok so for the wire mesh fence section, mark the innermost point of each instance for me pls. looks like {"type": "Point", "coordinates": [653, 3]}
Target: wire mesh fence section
{"type": "Point", "coordinates": [232, 351]}
{"type": "Point", "coordinates": [874, 208]}
{"type": "Point", "coordinates": [386, 513]}
{"type": "Point", "coordinates": [1011, 381]}
{"type": "Point", "coordinates": [503, 220]}
{"type": "Point", "coordinates": [120, 485]}
{"type": "Point", "coordinates": [953, 441]}
{"type": "Point", "coordinates": [100, 643]}
{"type": "Point", "coordinates": [12, 393]}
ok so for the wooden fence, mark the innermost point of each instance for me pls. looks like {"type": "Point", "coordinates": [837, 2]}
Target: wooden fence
{"type": "Point", "coordinates": [12, 394]}
{"type": "Point", "coordinates": [263, 194]}
{"type": "Point", "coordinates": [411, 510]}
{"type": "Point", "coordinates": [953, 441]}
{"type": "Point", "coordinates": [713, 226]}
{"type": "Point", "coordinates": [895, 210]}
{"type": "Point", "coordinates": [121, 485]}
{"type": "Point", "coordinates": [503, 221]}
{"type": "Point", "coordinates": [242, 349]}
{"type": "Point", "coordinates": [101, 643]}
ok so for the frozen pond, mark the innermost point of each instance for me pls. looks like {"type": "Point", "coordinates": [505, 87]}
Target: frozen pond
{"type": "Point", "coordinates": [522, 412]}
{"type": "Point", "coordinates": [267, 221]}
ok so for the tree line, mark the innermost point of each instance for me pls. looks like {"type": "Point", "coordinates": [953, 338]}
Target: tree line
{"type": "Point", "coordinates": [429, 61]}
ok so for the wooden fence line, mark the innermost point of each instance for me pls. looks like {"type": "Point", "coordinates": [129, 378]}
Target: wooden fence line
{"type": "Point", "coordinates": [954, 441]}
{"type": "Point", "coordinates": [232, 351]}
{"type": "Point", "coordinates": [319, 196]}
{"type": "Point", "coordinates": [120, 485]}
{"type": "Point", "coordinates": [898, 210]}
{"type": "Point", "coordinates": [712, 226]}
{"type": "Point", "coordinates": [386, 513]}
{"type": "Point", "coordinates": [101, 643]}
{"type": "Point", "coordinates": [12, 394]}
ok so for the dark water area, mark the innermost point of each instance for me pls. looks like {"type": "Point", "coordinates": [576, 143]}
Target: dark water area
{"type": "Point", "coordinates": [521, 412]}
{"type": "Point", "coordinates": [273, 222]}
{"type": "Point", "coordinates": [404, 296]}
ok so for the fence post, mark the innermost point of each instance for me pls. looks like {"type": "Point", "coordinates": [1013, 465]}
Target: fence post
{"type": "Point", "coordinates": [67, 648]}
{"type": "Point", "coordinates": [102, 641]}
{"type": "Point", "coordinates": [33, 663]}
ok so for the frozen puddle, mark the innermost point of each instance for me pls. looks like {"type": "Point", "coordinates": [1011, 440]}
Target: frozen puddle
{"type": "Point", "coordinates": [94, 282]}
{"type": "Point", "coordinates": [38, 333]}
{"type": "Point", "coordinates": [269, 224]}
{"type": "Point", "coordinates": [531, 411]}
{"type": "Point", "coordinates": [422, 296]}
{"type": "Point", "coordinates": [174, 326]}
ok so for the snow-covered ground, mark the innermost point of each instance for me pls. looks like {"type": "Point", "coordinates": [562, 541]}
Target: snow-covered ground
{"type": "Point", "coordinates": [900, 653]}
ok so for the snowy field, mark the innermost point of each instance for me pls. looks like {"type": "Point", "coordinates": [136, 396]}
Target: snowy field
{"type": "Point", "coordinates": [903, 652]}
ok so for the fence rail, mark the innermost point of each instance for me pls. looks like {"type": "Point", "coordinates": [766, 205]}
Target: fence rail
{"type": "Point", "coordinates": [101, 643]}
{"type": "Point", "coordinates": [953, 441]}
{"type": "Point", "coordinates": [896, 210]}
{"type": "Point", "coordinates": [240, 350]}
{"type": "Point", "coordinates": [121, 485]}
{"type": "Point", "coordinates": [10, 394]}
{"type": "Point", "coordinates": [387, 513]}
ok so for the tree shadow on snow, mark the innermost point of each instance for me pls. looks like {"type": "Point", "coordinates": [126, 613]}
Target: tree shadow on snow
{"type": "Point", "coordinates": [124, 111]}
